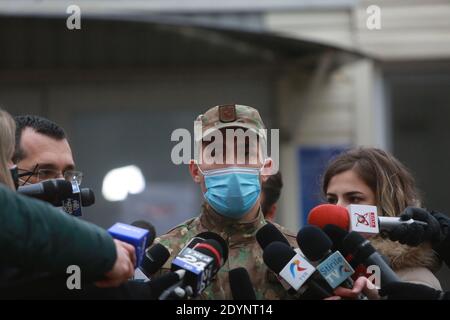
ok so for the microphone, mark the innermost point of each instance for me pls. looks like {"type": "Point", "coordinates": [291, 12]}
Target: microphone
{"type": "Point", "coordinates": [292, 268]}
{"type": "Point", "coordinates": [87, 197]}
{"type": "Point", "coordinates": [360, 218]}
{"type": "Point", "coordinates": [147, 226]}
{"type": "Point", "coordinates": [363, 252]}
{"type": "Point", "coordinates": [336, 235]}
{"type": "Point", "coordinates": [52, 191]}
{"type": "Point", "coordinates": [241, 285]}
{"type": "Point", "coordinates": [154, 259]}
{"type": "Point", "coordinates": [268, 234]}
{"type": "Point", "coordinates": [208, 235]}
{"type": "Point", "coordinates": [201, 262]}
{"type": "Point", "coordinates": [162, 286]}
{"type": "Point", "coordinates": [411, 291]}
{"type": "Point", "coordinates": [61, 193]}
{"type": "Point", "coordinates": [135, 236]}
{"type": "Point", "coordinates": [333, 267]}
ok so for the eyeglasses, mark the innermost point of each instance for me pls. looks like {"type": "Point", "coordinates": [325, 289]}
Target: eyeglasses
{"type": "Point", "coordinates": [42, 174]}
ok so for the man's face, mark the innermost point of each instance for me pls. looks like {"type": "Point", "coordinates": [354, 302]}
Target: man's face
{"type": "Point", "coordinates": [50, 154]}
{"type": "Point", "coordinates": [241, 154]}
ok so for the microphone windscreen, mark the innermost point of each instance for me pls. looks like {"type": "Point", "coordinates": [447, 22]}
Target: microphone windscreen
{"type": "Point", "coordinates": [241, 285]}
{"type": "Point", "coordinates": [59, 187]}
{"type": "Point", "coordinates": [154, 259]}
{"type": "Point", "coordinates": [213, 249]}
{"type": "Point", "coordinates": [277, 255]}
{"type": "Point", "coordinates": [87, 197]}
{"type": "Point", "coordinates": [160, 284]}
{"type": "Point", "coordinates": [207, 235]}
{"type": "Point", "coordinates": [337, 236]}
{"type": "Point", "coordinates": [313, 242]}
{"type": "Point", "coordinates": [149, 227]}
{"type": "Point", "coordinates": [268, 234]}
{"type": "Point", "coordinates": [325, 214]}
{"type": "Point", "coordinates": [355, 244]}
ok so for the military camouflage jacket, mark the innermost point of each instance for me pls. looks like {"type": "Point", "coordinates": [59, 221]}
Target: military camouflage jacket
{"type": "Point", "coordinates": [244, 251]}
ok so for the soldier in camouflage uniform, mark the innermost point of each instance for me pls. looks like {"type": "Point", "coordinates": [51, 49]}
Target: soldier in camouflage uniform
{"type": "Point", "coordinates": [244, 250]}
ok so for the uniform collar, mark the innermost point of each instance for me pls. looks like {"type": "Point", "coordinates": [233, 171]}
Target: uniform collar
{"type": "Point", "coordinates": [234, 232]}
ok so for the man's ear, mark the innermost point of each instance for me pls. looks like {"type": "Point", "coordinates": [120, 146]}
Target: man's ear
{"type": "Point", "coordinates": [194, 171]}
{"type": "Point", "coordinates": [267, 169]}
{"type": "Point", "coordinates": [272, 211]}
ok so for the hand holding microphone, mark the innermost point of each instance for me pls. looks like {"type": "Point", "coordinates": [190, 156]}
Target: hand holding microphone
{"type": "Point", "coordinates": [414, 234]}
{"type": "Point", "coordinates": [436, 231]}
{"type": "Point", "coordinates": [412, 291]}
{"type": "Point", "coordinates": [123, 268]}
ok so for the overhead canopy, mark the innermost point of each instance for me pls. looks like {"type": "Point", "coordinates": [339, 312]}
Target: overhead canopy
{"type": "Point", "coordinates": [133, 33]}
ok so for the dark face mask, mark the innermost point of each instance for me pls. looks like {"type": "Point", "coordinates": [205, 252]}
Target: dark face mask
{"type": "Point", "coordinates": [15, 176]}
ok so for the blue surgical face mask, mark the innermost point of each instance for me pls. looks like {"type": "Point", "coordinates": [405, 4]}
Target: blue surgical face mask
{"type": "Point", "coordinates": [233, 191]}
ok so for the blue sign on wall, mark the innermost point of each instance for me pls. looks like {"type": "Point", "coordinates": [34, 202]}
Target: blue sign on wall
{"type": "Point", "coordinates": [312, 162]}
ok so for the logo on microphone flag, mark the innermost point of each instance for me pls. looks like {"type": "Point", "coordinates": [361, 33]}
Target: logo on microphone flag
{"type": "Point", "coordinates": [363, 219]}
{"type": "Point", "coordinates": [335, 269]}
{"type": "Point", "coordinates": [297, 271]}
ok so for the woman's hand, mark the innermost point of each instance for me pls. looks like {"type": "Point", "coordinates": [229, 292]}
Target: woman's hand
{"type": "Point", "coordinates": [361, 285]}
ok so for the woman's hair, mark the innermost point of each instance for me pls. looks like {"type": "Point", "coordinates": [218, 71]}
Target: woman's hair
{"type": "Point", "coordinates": [390, 181]}
{"type": "Point", "coordinates": [7, 134]}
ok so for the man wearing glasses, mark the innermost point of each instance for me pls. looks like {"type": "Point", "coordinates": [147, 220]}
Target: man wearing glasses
{"type": "Point", "coordinates": [42, 151]}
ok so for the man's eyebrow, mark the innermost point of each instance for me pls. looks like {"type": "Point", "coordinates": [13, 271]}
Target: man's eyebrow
{"type": "Point", "coordinates": [69, 167]}
{"type": "Point", "coordinates": [47, 166]}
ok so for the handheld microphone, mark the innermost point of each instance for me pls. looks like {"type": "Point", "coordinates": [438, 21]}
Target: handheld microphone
{"type": "Point", "coordinates": [135, 236]}
{"type": "Point", "coordinates": [336, 235]}
{"type": "Point", "coordinates": [268, 234]}
{"type": "Point", "coordinates": [241, 285]}
{"type": "Point", "coordinates": [53, 191]}
{"type": "Point", "coordinates": [149, 227]}
{"type": "Point", "coordinates": [208, 235]}
{"type": "Point", "coordinates": [61, 193]}
{"type": "Point", "coordinates": [87, 197]}
{"type": "Point", "coordinates": [363, 252]}
{"type": "Point", "coordinates": [360, 218]}
{"type": "Point", "coordinates": [292, 268]}
{"type": "Point", "coordinates": [154, 259]}
{"type": "Point", "coordinates": [163, 286]}
{"type": "Point", "coordinates": [333, 267]}
{"type": "Point", "coordinates": [202, 262]}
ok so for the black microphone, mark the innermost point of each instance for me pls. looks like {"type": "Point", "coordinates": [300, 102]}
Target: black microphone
{"type": "Point", "coordinates": [214, 236]}
{"type": "Point", "coordinates": [154, 259]}
{"type": "Point", "coordinates": [293, 269]}
{"type": "Point", "coordinates": [241, 285]}
{"type": "Point", "coordinates": [316, 246]}
{"type": "Point", "coordinates": [164, 283]}
{"type": "Point", "coordinates": [268, 234]}
{"type": "Point", "coordinates": [53, 191]}
{"type": "Point", "coordinates": [314, 243]}
{"type": "Point", "coordinates": [363, 252]}
{"type": "Point", "coordinates": [149, 227]}
{"type": "Point", "coordinates": [411, 291]}
{"type": "Point", "coordinates": [87, 197]}
{"type": "Point", "coordinates": [336, 235]}
{"type": "Point", "coordinates": [202, 262]}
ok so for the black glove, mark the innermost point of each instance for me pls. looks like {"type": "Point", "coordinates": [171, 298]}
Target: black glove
{"type": "Point", "coordinates": [414, 234]}
{"type": "Point", "coordinates": [443, 247]}
{"type": "Point", "coordinates": [409, 291]}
